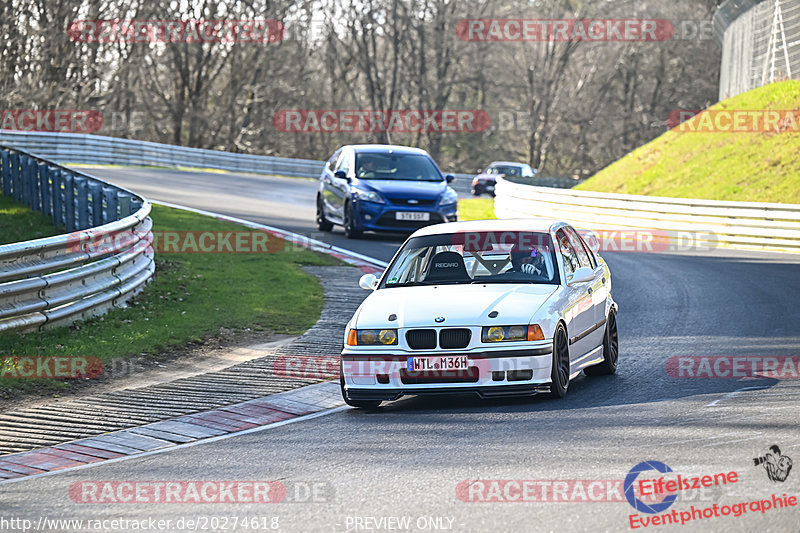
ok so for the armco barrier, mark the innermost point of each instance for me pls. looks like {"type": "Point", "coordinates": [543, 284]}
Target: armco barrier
{"type": "Point", "coordinates": [57, 280]}
{"type": "Point", "coordinates": [99, 150]}
{"type": "Point", "coordinates": [745, 225]}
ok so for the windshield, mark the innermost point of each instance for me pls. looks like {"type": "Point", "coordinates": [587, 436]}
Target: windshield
{"type": "Point", "coordinates": [474, 257]}
{"type": "Point", "coordinates": [412, 167]}
{"type": "Point", "coordinates": [508, 170]}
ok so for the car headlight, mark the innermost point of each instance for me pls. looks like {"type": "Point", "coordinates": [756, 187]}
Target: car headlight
{"type": "Point", "coordinates": [372, 337]}
{"type": "Point", "coordinates": [369, 196]}
{"type": "Point", "coordinates": [512, 333]}
{"type": "Point", "coordinates": [449, 197]}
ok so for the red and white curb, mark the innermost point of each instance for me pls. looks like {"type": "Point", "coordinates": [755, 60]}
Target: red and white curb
{"type": "Point", "coordinates": [238, 419]}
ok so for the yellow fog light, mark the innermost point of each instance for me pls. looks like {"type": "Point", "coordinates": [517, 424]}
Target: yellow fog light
{"type": "Point", "coordinates": [388, 336]}
{"type": "Point", "coordinates": [493, 334]}
{"type": "Point", "coordinates": [376, 337]}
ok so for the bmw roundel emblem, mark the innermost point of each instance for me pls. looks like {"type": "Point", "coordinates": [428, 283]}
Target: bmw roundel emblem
{"type": "Point", "coordinates": [439, 319]}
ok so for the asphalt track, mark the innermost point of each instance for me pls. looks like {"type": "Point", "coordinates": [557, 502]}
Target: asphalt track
{"type": "Point", "coordinates": [407, 460]}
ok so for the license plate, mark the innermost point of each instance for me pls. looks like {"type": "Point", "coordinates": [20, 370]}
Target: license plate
{"type": "Point", "coordinates": [490, 187]}
{"type": "Point", "coordinates": [418, 364]}
{"type": "Point", "coordinates": [411, 215]}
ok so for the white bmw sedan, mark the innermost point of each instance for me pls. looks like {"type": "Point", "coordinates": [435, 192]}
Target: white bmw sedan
{"type": "Point", "coordinates": [493, 307]}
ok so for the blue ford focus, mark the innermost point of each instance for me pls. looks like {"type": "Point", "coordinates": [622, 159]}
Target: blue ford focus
{"type": "Point", "coordinates": [380, 187]}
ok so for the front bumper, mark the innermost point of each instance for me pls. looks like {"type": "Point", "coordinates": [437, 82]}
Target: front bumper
{"type": "Point", "coordinates": [372, 216]}
{"type": "Point", "coordinates": [491, 373]}
{"type": "Point", "coordinates": [484, 185]}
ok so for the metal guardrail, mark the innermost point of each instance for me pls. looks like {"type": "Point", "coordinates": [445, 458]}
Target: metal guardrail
{"type": "Point", "coordinates": [104, 260]}
{"type": "Point", "coordinates": [744, 225]}
{"type": "Point", "coordinates": [99, 150]}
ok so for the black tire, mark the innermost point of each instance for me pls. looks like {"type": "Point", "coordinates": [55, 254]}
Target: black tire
{"type": "Point", "coordinates": [559, 374]}
{"type": "Point", "coordinates": [359, 404]}
{"type": "Point", "coordinates": [477, 191]}
{"type": "Point", "coordinates": [322, 222]}
{"type": "Point", "coordinates": [349, 228]}
{"type": "Point", "coordinates": [610, 350]}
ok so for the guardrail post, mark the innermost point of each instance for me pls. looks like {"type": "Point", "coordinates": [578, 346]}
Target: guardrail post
{"type": "Point", "coordinates": [55, 194]}
{"type": "Point", "coordinates": [31, 181]}
{"type": "Point", "coordinates": [69, 202]}
{"type": "Point", "coordinates": [25, 174]}
{"type": "Point", "coordinates": [39, 174]}
{"type": "Point", "coordinates": [45, 172]}
{"type": "Point", "coordinates": [110, 196]}
{"type": "Point", "coordinates": [5, 172]}
{"type": "Point", "coordinates": [29, 178]}
{"type": "Point", "coordinates": [83, 202]}
{"type": "Point", "coordinates": [124, 205]}
{"type": "Point", "coordinates": [16, 178]}
{"type": "Point", "coordinates": [97, 203]}
{"type": "Point", "coordinates": [135, 205]}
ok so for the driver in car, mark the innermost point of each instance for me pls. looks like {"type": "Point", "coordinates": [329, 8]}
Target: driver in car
{"type": "Point", "coordinates": [366, 169]}
{"type": "Point", "coordinates": [528, 262]}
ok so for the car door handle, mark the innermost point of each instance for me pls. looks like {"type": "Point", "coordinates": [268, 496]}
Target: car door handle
{"type": "Point", "coordinates": [604, 280]}
{"type": "Point", "coordinates": [590, 290]}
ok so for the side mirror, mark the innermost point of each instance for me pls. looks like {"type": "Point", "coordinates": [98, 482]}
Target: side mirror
{"type": "Point", "coordinates": [581, 275]}
{"type": "Point", "coordinates": [368, 282]}
{"type": "Point", "coordinates": [341, 174]}
{"type": "Point", "coordinates": [449, 178]}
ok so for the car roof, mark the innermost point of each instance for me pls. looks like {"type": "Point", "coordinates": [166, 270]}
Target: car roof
{"type": "Point", "coordinates": [385, 148]}
{"type": "Point", "coordinates": [514, 224]}
{"type": "Point", "coordinates": [509, 163]}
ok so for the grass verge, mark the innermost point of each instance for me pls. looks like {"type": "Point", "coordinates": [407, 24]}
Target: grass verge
{"type": "Point", "coordinates": [476, 209]}
{"type": "Point", "coordinates": [756, 167]}
{"type": "Point", "coordinates": [191, 297]}
{"type": "Point", "coordinates": [19, 223]}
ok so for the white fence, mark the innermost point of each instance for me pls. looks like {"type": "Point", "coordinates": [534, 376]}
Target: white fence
{"type": "Point", "coordinates": [673, 222]}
